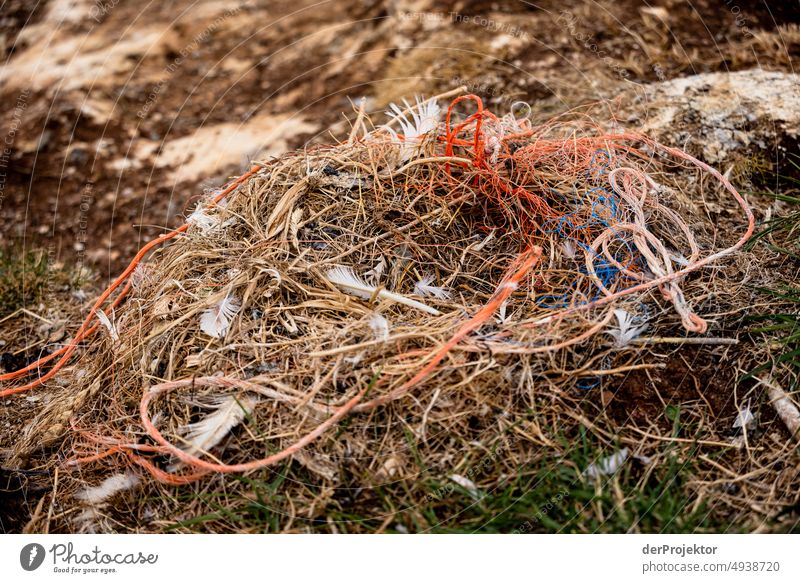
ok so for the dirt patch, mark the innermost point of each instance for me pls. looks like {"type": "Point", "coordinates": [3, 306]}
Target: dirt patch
{"type": "Point", "coordinates": [20, 492]}
{"type": "Point", "coordinates": [689, 375]}
{"type": "Point", "coordinates": [84, 177]}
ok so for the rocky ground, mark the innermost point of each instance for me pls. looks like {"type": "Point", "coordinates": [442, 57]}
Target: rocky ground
{"type": "Point", "coordinates": [119, 115]}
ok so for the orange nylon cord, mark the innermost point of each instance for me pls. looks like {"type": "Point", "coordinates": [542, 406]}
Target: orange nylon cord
{"type": "Point", "coordinates": [524, 263]}
{"type": "Point", "coordinates": [63, 349]}
{"type": "Point", "coordinates": [226, 468]}
{"type": "Point", "coordinates": [84, 329]}
{"type": "Point", "coordinates": [522, 198]}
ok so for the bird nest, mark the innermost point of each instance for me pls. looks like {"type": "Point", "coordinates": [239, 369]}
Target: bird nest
{"type": "Point", "coordinates": [431, 277]}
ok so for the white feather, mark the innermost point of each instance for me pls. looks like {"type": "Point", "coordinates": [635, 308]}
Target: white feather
{"type": "Point", "coordinates": [607, 465]}
{"type": "Point", "coordinates": [379, 326]}
{"type": "Point", "coordinates": [502, 318]}
{"type": "Point", "coordinates": [424, 288]}
{"type": "Point", "coordinates": [744, 419]}
{"type": "Point", "coordinates": [625, 330]}
{"type": "Point", "coordinates": [376, 273]}
{"type": "Point", "coordinates": [493, 146]}
{"type": "Point", "coordinates": [467, 484]}
{"type": "Point", "coordinates": [87, 521]}
{"type": "Point", "coordinates": [679, 259]}
{"type": "Point", "coordinates": [485, 241]}
{"type": "Point", "coordinates": [348, 281]}
{"type": "Point", "coordinates": [212, 429]}
{"type": "Point", "coordinates": [205, 222]}
{"type": "Point", "coordinates": [112, 329]}
{"type": "Point", "coordinates": [216, 320]}
{"type": "Point", "coordinates": [424, 119]}
{"type": "Point", "coordinates": [108, 488]}
{"type": "Point", "coordinates": [141, 276]}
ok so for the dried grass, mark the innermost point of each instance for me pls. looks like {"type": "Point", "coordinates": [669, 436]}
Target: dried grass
{"type": "Point", "coordinates": [519, 328]}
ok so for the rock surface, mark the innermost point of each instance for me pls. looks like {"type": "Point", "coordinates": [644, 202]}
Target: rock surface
{"type": "Point", "coordinates": [717, 115]}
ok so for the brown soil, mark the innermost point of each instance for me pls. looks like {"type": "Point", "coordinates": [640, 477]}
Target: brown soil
{"type": "Point", "coordinates": [68, 188]}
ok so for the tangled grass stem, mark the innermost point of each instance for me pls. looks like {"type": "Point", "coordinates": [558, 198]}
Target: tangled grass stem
{"type": "Point", "coordinates": [537, 232]}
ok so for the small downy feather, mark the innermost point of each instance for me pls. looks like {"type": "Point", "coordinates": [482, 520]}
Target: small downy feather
{"type": "Point", "coordinates": [346, 279]}
{"type": "Point", "coordinates": [502, 316]}
{"type": "Point", "coordinates": [379, 326]}
{"type": "Point", "coordinates": [744, 419]}
{"type": "Point", "coordinates": [467, 484]}
{"type": "Point", "coordinates": [607, 465]}
{"type": "Point", "coordinates": [625, 330]}
{"type": "Point", "coordinates": [679, 259]}
{"type": "Point", "coordinates": [568, 249]}
{"type": "Point", "coordinates": [228, 412]}
{"type": "Point", "coordinates": [424, 288]}
{"type": "Point", "coordinates": [204, 221]}
{"type": "Point", "coordinates": [141, 277]}
{"type": "Point", "coordinates": [87, 521]}
{"type": "Point", "coordinates": [108, 488]}
{"type": "Point", "coordinates": [216, 320]}
{"type": "Point", "coordinates": [375, 274]}
{"type": "Point", "coordinates": [106, 322]}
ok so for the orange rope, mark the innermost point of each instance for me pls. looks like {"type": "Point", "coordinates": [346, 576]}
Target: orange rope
{"type": "Point", "coordinates": [189, 459]}
{"type": "Point", "coordinates": [507, 196]}
{"type": "Point", "coordinates": [85, 329]}
{"type": "Point", "coordinates": [524, 263]}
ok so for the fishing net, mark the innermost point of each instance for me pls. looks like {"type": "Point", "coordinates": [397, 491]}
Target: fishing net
{"type": "Point", "coordinates": [434, 276]}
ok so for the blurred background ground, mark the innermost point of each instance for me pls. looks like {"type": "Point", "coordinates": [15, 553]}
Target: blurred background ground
{"type": "Point", "coordinates": [123, 113]}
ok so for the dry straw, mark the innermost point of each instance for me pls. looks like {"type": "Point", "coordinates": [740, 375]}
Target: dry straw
{"type": "Point", "coordinates": [432, 272]}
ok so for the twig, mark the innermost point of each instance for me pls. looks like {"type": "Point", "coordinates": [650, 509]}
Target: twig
{"type": "Point", "coordinates": [52, 502]}
{"type": "Point", "coordinates": [359, 120]}
{"type": "Point", "coordinates": [621, 369]}
{"type": "Point", "coordinates": [679, 340]}
{"type": "Point", "coordinates": [784, 406]}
